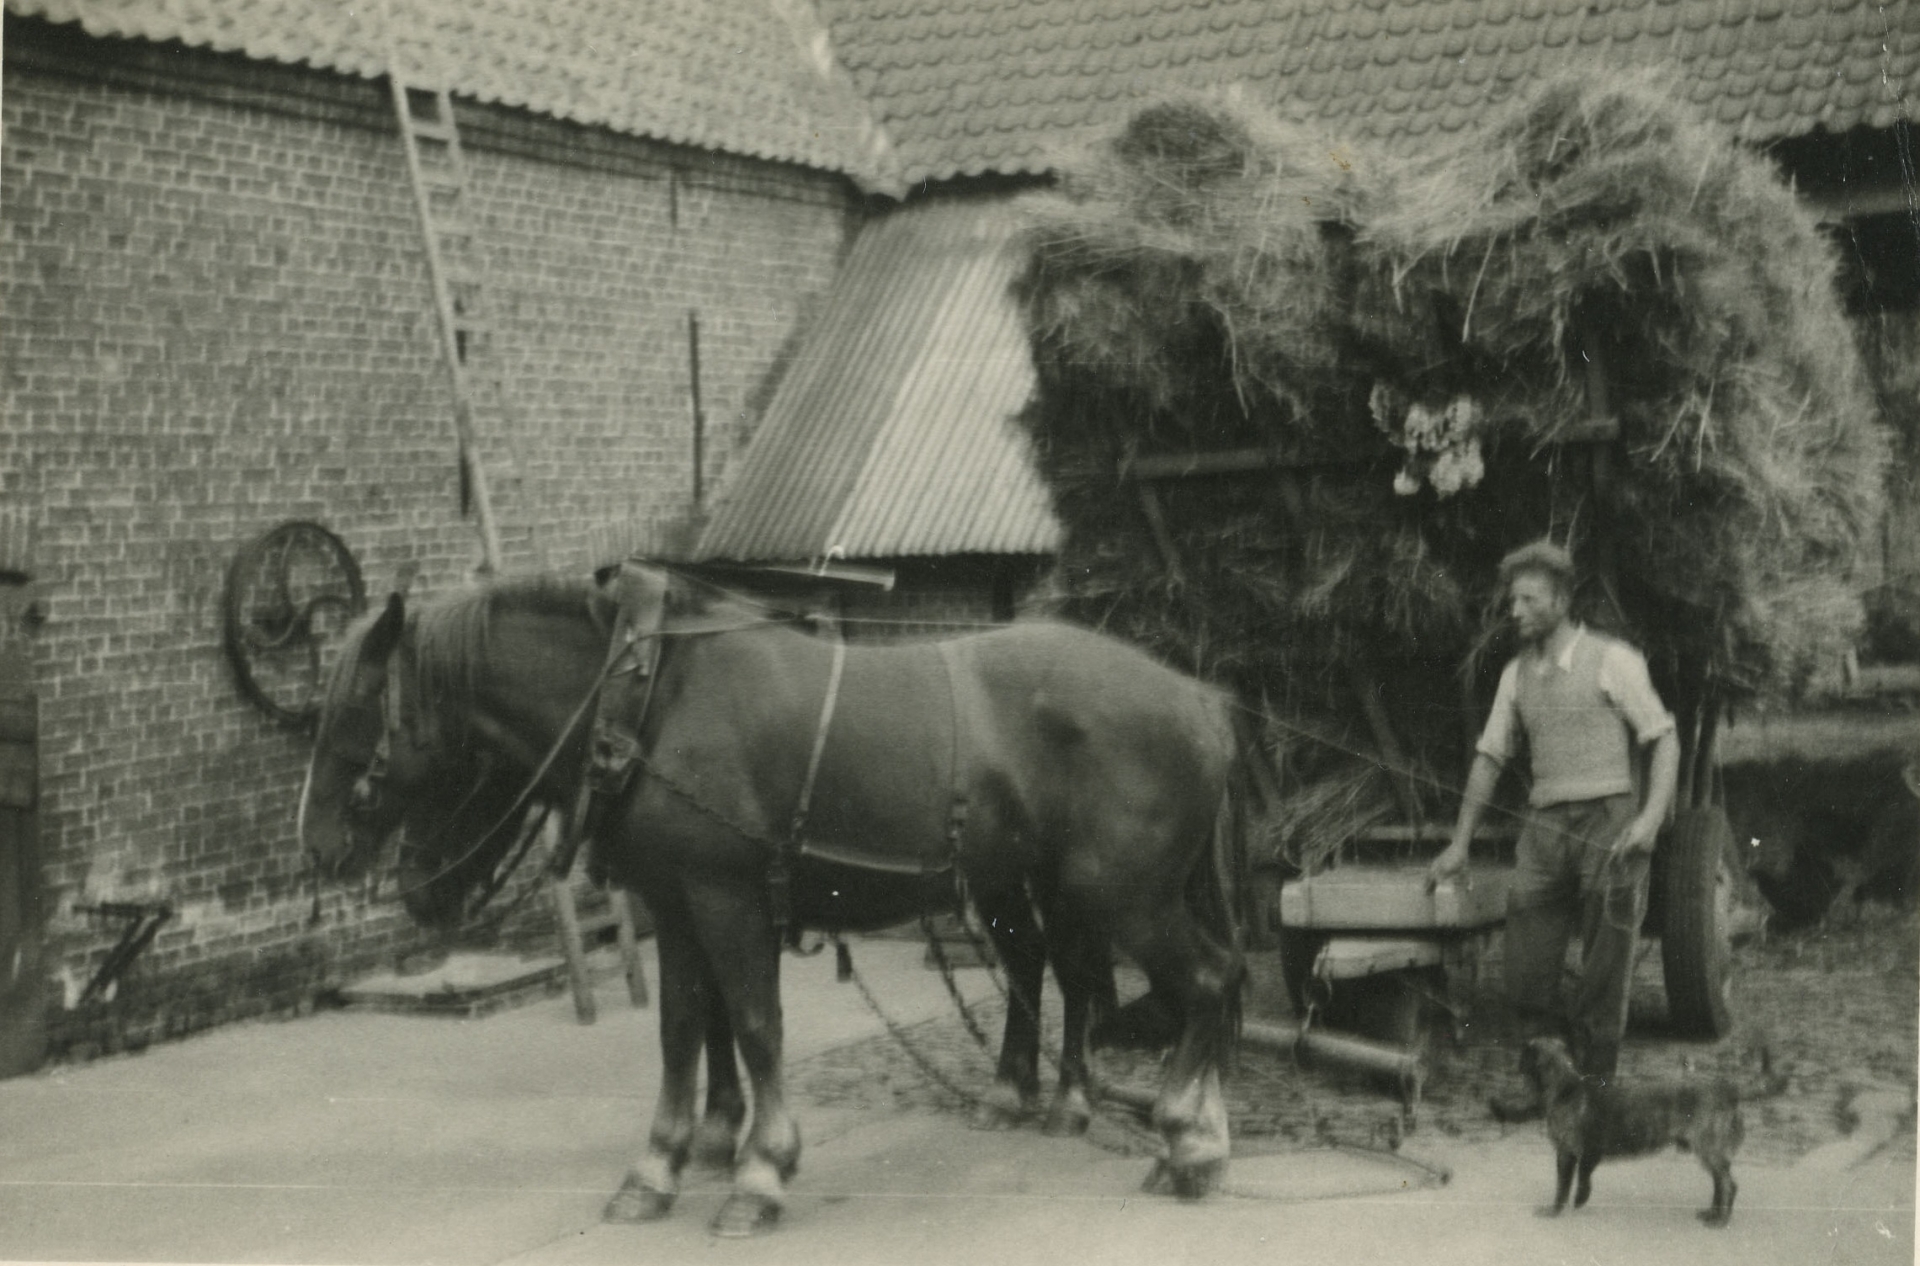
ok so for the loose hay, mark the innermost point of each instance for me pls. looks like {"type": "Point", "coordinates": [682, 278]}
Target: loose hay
{"type": "Point", "coordinates": [1415, 333]}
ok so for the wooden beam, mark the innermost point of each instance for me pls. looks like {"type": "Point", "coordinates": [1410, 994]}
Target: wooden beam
{"type": "Point", "coordinates": [1223, 462]}
{"type": "Point", "coordinates": [1893, 198]}
{"type": "Point", "coordinates": [1431, 833]}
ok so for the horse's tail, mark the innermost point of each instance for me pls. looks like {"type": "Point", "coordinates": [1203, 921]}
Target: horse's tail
{"type": "Point", "coordinates": [1253, 786]}
{"type": "Point", "coordinates": [1244, 802]}
{"type": "Point", "coordinates": [1220, 906]}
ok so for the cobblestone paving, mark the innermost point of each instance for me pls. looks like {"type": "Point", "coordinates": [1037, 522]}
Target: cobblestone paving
{"type": "Point", "coordinates": [1837, 1007]}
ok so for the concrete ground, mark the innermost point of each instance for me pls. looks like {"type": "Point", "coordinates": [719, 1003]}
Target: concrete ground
{"type": "Point", "coordinates": [354, 1137]}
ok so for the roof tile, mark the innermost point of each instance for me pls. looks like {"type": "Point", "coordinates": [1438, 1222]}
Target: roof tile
{"type": "Point", "coordinates": [1346, 62]}
{"type": "Point", "coordinates": [644, 67]}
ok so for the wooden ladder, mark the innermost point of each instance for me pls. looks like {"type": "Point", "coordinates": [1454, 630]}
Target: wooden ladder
{"type": "Point", "coordinates": [437, 170]}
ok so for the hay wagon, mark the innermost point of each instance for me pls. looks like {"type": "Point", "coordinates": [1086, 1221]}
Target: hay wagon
{"type": "Point", "coordinates": [1365, 947]}
{"type": "Point", "coordinates": [1333, 385]}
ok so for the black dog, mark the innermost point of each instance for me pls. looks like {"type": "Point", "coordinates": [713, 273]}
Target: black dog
{"type": "Point", "coordinates": [1591, 1119]}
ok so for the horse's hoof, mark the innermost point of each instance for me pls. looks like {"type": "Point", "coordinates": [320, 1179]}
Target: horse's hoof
{"type": "Point", "coordinates": [745, 1215]}
{"type": "Point", "coordinates": [637, 1202]}
{"type": "Point", "coordinates": [1713, 1217]}
{"type": "Point", "coordinates": [987, 1117]}
{"type": "Point", "coordinates": [1194, 1182]}
{"type": "Point", "coordinates": [1158, 1181]}
{"type": "Point", "coordinates": [1001, 1108]}
{"type": "Point", "coordinates": [1067, 1120]}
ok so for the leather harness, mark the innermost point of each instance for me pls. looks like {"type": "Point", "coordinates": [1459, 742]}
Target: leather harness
{"type": "Point", "coordinates": [617, 751]}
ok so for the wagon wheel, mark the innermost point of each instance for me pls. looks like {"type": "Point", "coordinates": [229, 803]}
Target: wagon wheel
{"type": "Point", "coordinates": [290, 594]}
{"type": "Point", "coordinates": [1694, 953]}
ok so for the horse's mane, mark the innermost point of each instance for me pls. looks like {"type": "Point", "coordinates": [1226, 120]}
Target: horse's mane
{"type": "Point", "coordinates": [450, 634]}
{"type": "Point", "coordinates": [335, 691]}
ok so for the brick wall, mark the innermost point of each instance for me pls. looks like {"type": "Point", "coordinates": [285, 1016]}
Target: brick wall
{"type": "Point", "coordinates": [217, 318]}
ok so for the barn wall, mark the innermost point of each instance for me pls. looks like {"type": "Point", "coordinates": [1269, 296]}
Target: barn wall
{"type": "Point", "coordinates": [217, 318]}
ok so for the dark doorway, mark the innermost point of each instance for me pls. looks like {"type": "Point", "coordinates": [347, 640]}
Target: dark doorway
{"type": "Point", "coordinates": [23, 1036]}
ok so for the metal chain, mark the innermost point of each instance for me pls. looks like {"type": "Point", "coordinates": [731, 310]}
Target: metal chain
{"type": "Point", "coordinates": [1121, 1116]}
{"type": "Point", "coordinates": [899, 1035]}
{"type": "Point", "coordinates": [1126, 1124]}
{"type": "Point", "coordinates": [939, 953]}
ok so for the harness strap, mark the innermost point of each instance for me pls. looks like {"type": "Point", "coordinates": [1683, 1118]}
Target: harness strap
{"type": "Point", "coordinates": [780, 872]}
{"type": "Point", "coordinates": [392, 716]}
{"type": "Point", "coordinates": [616, 725]}
{"type": "Point", "coordinates": [956, 779]}
{"type": "Point", "coordinates": [614, 749]}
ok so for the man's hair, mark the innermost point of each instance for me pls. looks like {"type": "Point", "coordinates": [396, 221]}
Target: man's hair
{"type": "Point", "coordinates": [1541, 558]}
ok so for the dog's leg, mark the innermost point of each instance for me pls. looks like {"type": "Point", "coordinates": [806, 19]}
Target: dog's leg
{"type": "Point", "coordinates": [1586, 1181]}
{"type": "Point", "coordinates": [1723, 1191]}
{"type": "Point", "coordinates": [1563, 1182]}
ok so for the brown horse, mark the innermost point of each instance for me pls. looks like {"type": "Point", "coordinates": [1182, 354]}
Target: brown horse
{"type": "Point", "coordinates": [786, 780]}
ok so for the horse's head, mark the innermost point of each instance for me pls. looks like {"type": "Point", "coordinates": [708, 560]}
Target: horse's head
{"type": "Point", "coordinates": [390, 758]}
{"type": "Point", "coordinates": [344, 813]}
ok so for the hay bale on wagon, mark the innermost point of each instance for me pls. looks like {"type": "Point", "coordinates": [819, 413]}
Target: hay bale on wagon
{"type": "Point", "coordinates": [1409, 341]}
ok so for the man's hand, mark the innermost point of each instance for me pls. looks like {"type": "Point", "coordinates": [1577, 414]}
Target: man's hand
{"type": "Point", "coordinates": [1450, 864]}
{"type": "Point", "coordinates": [1637, 838]}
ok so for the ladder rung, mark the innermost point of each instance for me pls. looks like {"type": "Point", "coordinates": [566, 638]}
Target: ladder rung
{"type": "Point", "coordinates": [431, 129]}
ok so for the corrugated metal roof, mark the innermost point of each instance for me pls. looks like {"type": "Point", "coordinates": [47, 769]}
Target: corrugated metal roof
{"type": "Point", "coordinates": [971, 86]}
{"type": "Point", "coordinates": [757, 78]}
{"type": "Point", "coordinates": [893, 434]}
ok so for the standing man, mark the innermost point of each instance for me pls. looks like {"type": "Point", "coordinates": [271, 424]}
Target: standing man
{"type": "Point", "coordinates": [1585, 707]}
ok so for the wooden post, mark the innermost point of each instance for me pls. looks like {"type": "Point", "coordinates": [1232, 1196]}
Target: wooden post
{"type": "Point", "coordinates": [1600, 431]}
{"type": "Point", "coordinates": [629, 946]}
{"type": "Point", "coordinates": [573, 949]}
{"type": "Point", "coordinates": [699, 411]}
{"type": "Point", "coordinates": [567, 917]}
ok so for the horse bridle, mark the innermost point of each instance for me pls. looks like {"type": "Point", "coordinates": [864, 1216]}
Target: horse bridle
{"type": "Point", "coordinates": [374, 778]}
{"type": "Point", "coordinates": [622, 657]}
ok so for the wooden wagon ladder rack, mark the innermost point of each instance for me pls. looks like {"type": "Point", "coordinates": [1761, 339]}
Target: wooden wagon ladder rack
{"type": "Point", "coordinates": [437, 171]}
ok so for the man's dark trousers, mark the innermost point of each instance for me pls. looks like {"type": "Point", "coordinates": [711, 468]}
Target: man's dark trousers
{"type": "Point", "coordinates": [1563, 878]}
